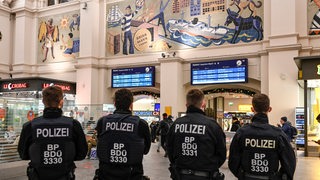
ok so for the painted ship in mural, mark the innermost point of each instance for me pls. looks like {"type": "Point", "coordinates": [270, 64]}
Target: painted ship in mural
{"type": "Point", "coordinates": [114, 16]}
{"type": "Point", "coordinates": [195, 32]}
{"type": "Point", "coordinates": [197, 28]}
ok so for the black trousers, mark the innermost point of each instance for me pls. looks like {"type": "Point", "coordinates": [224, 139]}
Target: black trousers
{"type": "Point", "coordinates": [163, 142]}
{"type": "Point", "coordinates": [118, 172]}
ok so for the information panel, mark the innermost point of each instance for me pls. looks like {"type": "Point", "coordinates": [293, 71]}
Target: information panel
{"type": "Point", "coordinates": [218, 72]}
{"type": "Point", "coordinates": [133, 77]}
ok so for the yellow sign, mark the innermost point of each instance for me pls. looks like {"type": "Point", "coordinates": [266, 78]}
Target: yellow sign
{"type": "Point", "coordinates": [142, 39]}
{"type": "Point", "coordinates": [244, 108]}
{"type": "Point", "coordinates": [168, 109]}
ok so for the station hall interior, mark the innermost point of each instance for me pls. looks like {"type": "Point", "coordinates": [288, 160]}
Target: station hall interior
{"type": "Point", "coordinates": [167, 48]}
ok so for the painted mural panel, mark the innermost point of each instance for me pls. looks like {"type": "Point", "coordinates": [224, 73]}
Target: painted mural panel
{"type": "Point", "coordinates": [314, 17]}
{"type": "Point", "coordinates": [141, 26]}
{"type": "Point", "coordinates": [58, 37]}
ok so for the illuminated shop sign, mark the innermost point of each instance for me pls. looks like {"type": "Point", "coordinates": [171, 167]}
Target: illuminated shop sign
{"type": "Point", "coordinates": [63, 87]}
{"type": "Point", "coordinates": [146, 113]}
{"type": "Point", "coordinates": [12, 86]}
{"type": "Point", "coordinates": [318, 67]}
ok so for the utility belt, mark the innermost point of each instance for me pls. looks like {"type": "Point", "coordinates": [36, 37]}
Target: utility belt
{"type": "Point", "coordinates": [252, 176]}
{"type": "Point", "coordinates": [275, 176]}
{"type": "Point", "coordinates": [176, 173]}
{"type": "Point", "coordinates": [33, 174]}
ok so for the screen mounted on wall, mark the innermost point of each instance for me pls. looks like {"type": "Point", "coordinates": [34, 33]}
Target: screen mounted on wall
{"type": "Point", "coordinates": [133, 77]}
{"type": "Point", "coordinates": [218, 72]}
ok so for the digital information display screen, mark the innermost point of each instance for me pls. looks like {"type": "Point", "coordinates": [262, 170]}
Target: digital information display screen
{"type": "Point", "coordinates": [218, 72]}
{"type": "Point", "coordinates": [133, 77]}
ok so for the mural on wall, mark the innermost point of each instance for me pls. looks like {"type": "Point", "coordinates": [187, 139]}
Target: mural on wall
{"type": "Point", "coordinates": [58, 37]}
{"type": "Point", "coordinates": [140, 26]}
{"type": "Point", "coordinates": [314, 17]}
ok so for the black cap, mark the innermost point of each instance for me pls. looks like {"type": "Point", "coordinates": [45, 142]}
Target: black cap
{"type": "Point", "coordinates": [170, 117]}
{"type": "Point", "coordinates": [284, 118]}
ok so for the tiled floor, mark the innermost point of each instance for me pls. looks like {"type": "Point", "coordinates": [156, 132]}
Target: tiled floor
{"type": "Point", "coordinates": [156, 167]}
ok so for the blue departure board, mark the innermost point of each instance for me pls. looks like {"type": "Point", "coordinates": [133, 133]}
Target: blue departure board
{"type": "Point", "coordinates": [219, 72]}
{"type": "Point", "coordinates": [133, 77]}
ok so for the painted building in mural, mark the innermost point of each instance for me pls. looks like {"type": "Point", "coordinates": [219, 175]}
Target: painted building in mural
{"type": "Point", "coordinates": [195, 7]}
{"type": "Point", "coordinates": [176, 6]}
{"type": "Point", "coordinates": [163, 25]}
{"type": "Point", "coordinates": [59, 37]}
{"type": "Point", "coordinates": [314, 17]}
{"type": "Point", "coordinates": [212, 6]}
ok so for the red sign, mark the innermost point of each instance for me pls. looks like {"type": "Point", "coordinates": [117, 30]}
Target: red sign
{"type": "Point", "coordinates": [63, 87]}
{"type": "Point", "coordinates": [12, 86]}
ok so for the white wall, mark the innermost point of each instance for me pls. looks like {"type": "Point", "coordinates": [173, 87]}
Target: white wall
{"type": "Point", "coordinates": [5, 43]}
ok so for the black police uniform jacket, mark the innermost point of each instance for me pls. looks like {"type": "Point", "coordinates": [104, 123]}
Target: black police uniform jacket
{"type": "Point", "coordinates": [196, 142]}
{"type": "Point", "coordinates": [122, 141]}
{"type": "Point", "coordinates": [257, 148]}
{"type": "Point", "coordinates": [52, 142]}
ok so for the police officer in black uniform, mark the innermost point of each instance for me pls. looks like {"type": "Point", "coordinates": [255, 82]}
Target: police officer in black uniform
{"type": "Point", "coordinates": [123, 139]}
{"type": "Point", "coordinates": [196, 143]}
{"type": "Point", "coordinates": [52, 142]}
{"type": "Point", "coordinates": [257, 148]}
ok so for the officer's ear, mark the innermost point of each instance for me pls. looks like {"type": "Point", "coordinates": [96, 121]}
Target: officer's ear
{"type": "Point", "coordinates": [252, 110]}
{"type": "Point", "coordinates": [270, 109]}
{"type": "Point", "coordinates": [203, 105]}
{"type": "Point", "coordinates": [131, 107]}
{"type": "Point", "coordinates": [61, 103]}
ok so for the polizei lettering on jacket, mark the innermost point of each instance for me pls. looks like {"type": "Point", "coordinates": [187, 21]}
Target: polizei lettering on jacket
{"type": "Point", "coordinates": [119, 126]}
{"type": "Point", "coordinates": [52, 132]}
{"type": "Point", "coordinates": [190, 128]}
{"type": "Point", "coordinates": [260, 143]}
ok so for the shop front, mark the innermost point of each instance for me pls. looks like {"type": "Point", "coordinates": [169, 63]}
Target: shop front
{"type": "Point", "coordinates": [306, 116]}
{"type": "Point", "coordinates": [21, 100]}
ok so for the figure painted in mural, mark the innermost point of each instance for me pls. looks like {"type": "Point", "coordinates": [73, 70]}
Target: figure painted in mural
{"type": "Point", "coordinates": [48, 33]}
{"type": "Point", "coordinates": [126, 29]}
{"type": "Point", "coordinates": [315, 24]}
{"type": "Point", "coordinates": [244, 24]}
{"type": "Point", "coordinates": [68, 46]}
{"type": "Point", "coordinates": [244, 4]}
{"type": "Point", "coordinates": [75, 22]}
{"type": "Point", "coordinates": [160, 16]}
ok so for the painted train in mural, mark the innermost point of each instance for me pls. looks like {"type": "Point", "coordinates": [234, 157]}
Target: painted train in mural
{"type": "Point", "coordinates": [137, 26]}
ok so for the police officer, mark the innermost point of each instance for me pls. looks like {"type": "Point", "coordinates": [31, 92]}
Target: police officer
{"type": "Point", "coordinates": [196, 144]}
{"type": "Point", "coordinates": [52, 142]}
{"type": "Point", "coordinates": [257, 148]}
{"type": "Point", "coordinates": [123, 139]}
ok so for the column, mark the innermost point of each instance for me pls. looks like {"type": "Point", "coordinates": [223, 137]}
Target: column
{"type": "Point", "coordinates": [88, 80]}
{"type": "Point", "coordinates": [278, 70]}
{"type": "Point", "coordinates": [172, 92]}
{"type": "Point", "coordinates": [24, 38]}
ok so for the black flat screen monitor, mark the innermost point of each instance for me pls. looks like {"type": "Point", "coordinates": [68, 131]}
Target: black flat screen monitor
{"type": "Point", "coordinates": [133, 77]}
{"type": "Point", "coordinates": [219, 72]}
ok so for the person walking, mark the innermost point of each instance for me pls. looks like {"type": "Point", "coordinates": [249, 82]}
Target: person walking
{"type": "Point", "coordinates": [286, 127]}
